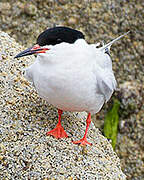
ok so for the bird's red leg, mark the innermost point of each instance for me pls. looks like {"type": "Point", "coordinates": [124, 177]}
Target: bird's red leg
{"type": "Point", "coordinates": [84, 141]}
{"type": "Point", "coordinates": [59, 131]}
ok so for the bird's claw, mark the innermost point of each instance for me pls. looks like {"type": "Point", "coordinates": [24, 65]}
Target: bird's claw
{"type": "Point", "coordinates": [82, 142]}
{"type": "Point", "coordinates": [58, 132]}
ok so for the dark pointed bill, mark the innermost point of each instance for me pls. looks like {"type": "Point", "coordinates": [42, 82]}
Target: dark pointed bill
{"type": "Point", "coordinates": [33, 50]}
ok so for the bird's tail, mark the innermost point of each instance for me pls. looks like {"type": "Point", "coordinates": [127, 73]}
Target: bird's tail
{"type": "Point", "coordinates": [106, 47]}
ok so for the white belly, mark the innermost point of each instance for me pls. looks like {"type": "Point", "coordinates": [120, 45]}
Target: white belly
{"type": "Point", "coordinates": [70, 87]}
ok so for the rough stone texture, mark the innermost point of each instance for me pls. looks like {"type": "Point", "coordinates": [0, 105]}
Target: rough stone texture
{"type": "Point", "coordinates": [99, 20]}
{"type": "Point", "coordinates": [25, 150]}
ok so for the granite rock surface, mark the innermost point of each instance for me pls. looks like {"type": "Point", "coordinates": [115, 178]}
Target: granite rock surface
{"type": "Point", "coordinates": [25, 150]}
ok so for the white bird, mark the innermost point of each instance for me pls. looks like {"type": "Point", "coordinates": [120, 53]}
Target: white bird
{"type": "Point", "coordinates": [71, 74]}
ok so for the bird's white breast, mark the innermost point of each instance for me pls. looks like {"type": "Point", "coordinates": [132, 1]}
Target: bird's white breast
{"type": "Point", "coordinates": [66, 76]}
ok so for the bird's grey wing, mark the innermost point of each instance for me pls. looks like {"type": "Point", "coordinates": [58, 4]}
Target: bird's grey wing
{"type": "Point", "coordinates": [106, 83]}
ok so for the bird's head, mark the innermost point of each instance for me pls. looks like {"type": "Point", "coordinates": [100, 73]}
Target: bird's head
{"type": "Point", "coordinates": [52, 36]}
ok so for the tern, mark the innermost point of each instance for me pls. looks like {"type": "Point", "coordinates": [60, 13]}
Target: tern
{"type": "Point", "coordinates": [71, 74]}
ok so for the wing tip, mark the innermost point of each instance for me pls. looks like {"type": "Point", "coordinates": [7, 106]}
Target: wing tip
{"type": "Point", "coordinates": [111, 42]}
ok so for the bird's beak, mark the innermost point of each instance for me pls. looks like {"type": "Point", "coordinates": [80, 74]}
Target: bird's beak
{"type": "Point", "coordinates": [33, 50]}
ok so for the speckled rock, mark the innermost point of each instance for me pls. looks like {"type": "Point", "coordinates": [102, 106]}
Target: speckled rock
{"type": "Point", "coordinates": [4, 7]}
{"type": "Point", "coordinates": [30, 9]}
{"type": "Point", "coordinates": [25, 150]}
{"type": "Point", "coordinates": [98, 20]}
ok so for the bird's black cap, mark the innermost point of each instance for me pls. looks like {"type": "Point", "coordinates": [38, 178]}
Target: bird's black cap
{"type": "Point", "coordinates": [52, 36]}
{"type": "Point", "coordinates": [57, 35]}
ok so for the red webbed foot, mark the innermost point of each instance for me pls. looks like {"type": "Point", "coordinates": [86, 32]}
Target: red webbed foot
{"type": "Point", "coordinates": [59, 131]}
{"type": "Point", "coordinates": [84, 141]}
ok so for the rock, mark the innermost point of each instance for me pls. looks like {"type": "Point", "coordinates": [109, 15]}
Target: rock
{"type": "Point", "coordinates": [4, 7]}
{"type": "Point", "coordinates": [30, 9]}
{"type": "Point", "coordinates": [26, 151]}
{"type": "Point", "coordinates": [62, 2]}
{"type": "Point", "coordinates": [94, 19]}
{"type": "Point", "coordinates": [72, 21]}
{"type": "Point", "coordinates": [131, 99]}
{"type": "Point", "coordinates": [130, 139]}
